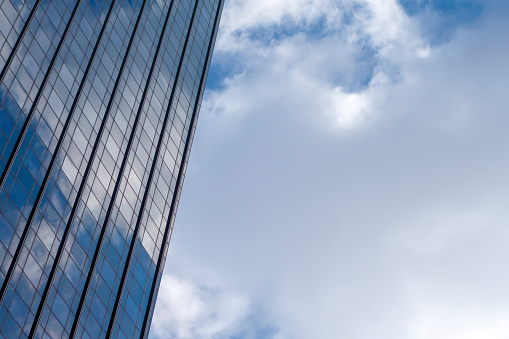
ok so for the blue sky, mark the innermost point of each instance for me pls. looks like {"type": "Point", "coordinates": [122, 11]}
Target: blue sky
{"type": "Point", "coordinates": [348, 177]}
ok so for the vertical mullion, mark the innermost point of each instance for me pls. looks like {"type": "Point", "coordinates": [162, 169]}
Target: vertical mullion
{"type": "Point", "coordinates": [180, 174]}
{"type": "Point", "coordinates": [30, 115]}
{"type": "Point", "coordinates": [53, 158]}
{"type": "Point", "coordinates": [117, 184]}
{"type": "Point", "coordinates": [149, 181]}
{"type": "Point", "coordinates": [19, 39]}
{"type": "Point", "coordinates": [58, 256]}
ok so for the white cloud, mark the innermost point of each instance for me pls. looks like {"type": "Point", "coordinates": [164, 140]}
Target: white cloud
{"type": "Point", "coordinates": [471, 328]}
{"type": "Point", "coordinates": [339, 67]}
{"type": "Point", "coordinates": [350, 180]}
{"type": "Point", "coordinates": [187, 310]}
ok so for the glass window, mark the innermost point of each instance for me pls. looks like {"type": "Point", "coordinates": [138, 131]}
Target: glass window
{"type": "Point", "coordinates": [10, 328]}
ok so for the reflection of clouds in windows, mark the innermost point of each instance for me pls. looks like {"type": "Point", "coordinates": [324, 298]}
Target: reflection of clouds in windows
{"type": "Point", "coordinates": [64, 184]}
{"type": "Point", "coordinates": [25, 289]}
{"type": "Point", "coordinates": [32, 270]}
{"type": "Point", "coordinates": [5, 25]}
{"type": "Point", "coordinates": [117, 239]}
{"type": "Point", "coordinates": [142, 155]}
{"type": "Point", "coordinates": [44, 132]}
{"type": "Point", "coordinates": [171, 154]}
{"type": "Point", "coordinates": [18, 93]}
{"type": "Point", "coordinates": [103, 175]}
{"type": "Point", "coordinates": [52, 217]}
{"type": "Point", "coordinates": [126, 210]}
{"type": "Point", "coordinates": [56, 103]}
{"type": "Point", "coordinates": [147, 126]}
{"type": "Point", "coordinates": [39, 250]}
{"type": "Point", "coordinates": [31, 162]}
{"type": "Point", "coordinates": [71, 158]}
{"type": "Point", "coordinates": [112, 147]}
{"type": "Point", "coordinates": [54, 328]}
{"type": "Point", "coordinates": [129, 97]}
{"type": "Point", "coordinates": [175, 136]}
{"type": "Point", "coordinates": [11, 212]}
{"type": "Point", "coordinates": [18, 309]}
{"type": "Point", "coordinates": [66, 76]}
{"type": "Point", "coordinates": [78, 255]}
{"type": "Point", "coordinates": [58, 200]}
{"type": "Point", "coordinates": [98, 84]}
{"type": "Point", "coordinates": [151, 229]}
{"type": "Point", "coordinates": [130, 195]}
{"type": "Point", "coordinates": [156, 215]}
{"type": "Point", "coordinates": [121, 121]}
{"type": "Point", "coordinates": [18, 195]}
{"type": "Point", "coordinates": [99, 191]}
{"type": "Point", "coordinates": [94, 206]}
{"type": "Point", "coordinates": [42, 40]}
{"type": "Point", "coordinates": [31, 66]}
{"type": "Point", "coordinates": [72, 272]}
{"type": "Point", "coordinates": [149, 245]}
{"type": "Point", "coordinates": [46, 234]}
{"type": "Point", "coordinates": [6, 231]}
{"type": "Point", "coordinates": [90, 113]}
{"type": "Point", "coordinates": [69, 169]}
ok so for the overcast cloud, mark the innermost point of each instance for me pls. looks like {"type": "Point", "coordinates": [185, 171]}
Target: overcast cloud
{"type": "Point", "coordinates": [349, 176]}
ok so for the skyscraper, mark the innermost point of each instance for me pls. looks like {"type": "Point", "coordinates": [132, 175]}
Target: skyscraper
{"type": "Point", "coordinates": [98, 106]}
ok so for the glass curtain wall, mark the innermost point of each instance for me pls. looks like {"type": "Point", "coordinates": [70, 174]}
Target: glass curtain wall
{"type": "Point", "coordinates": [98, 105]}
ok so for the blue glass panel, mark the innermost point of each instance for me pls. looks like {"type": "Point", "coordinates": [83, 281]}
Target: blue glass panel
{"type": "Point", "coordinates": [32, 163]}
{"type": "Point", "coordinates": [98, 308]}
{"type": "Point", "coordinates": [6, 124]}
{"type": "Point", "coordinates": [25, 289]}
{"type": "Point", "coordinates": [127, 326]}
{"type": "Point", "coordinates": [10, 328]}
{"type": "Point", "coordinates": [18, 309]}
{"type": "Point", "coordinates": [84, 239]}
{"type": "Point", "coordinates": [6, 231]}
{"type": "Point", "coordinates": [25, 178]}
{"type": "Point", "coordinates": [61, 309]}
{"type": "Point", "coordinates": [108, 273]}
{"type": "Point", "coordinates": [18, 195]}
{"type": "Point", "coordinates": [93, 327]}
{"type": "Point", "coordinates": [11, 107]}
{"type": "Point", "coordinates": [54, 327]}
{"type": "Point", "coordinates": [65, 288]}
{"type": "Point", "coordinates": [132, 308]}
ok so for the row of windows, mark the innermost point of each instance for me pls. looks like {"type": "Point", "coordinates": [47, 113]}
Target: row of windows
{"type": "Point", "coordinates": [13, 15]}
{"type": "Point", "coordinates": [37, 48]}
{"type": "Point", "coordinates": [31, 61]}
{"type": "Point", "coordinates": [77, 253]}
{"type": "Point", "coordinates": [111, 143]}
{"type": "Point", "coordinates": [47, 125]}
{"type": "Point", "coordinates": [54, 101]}
{"type": "Point", "coordinates": [171, 218]}
{"type": "Point", "coordinates": [41, 244]}
{"type": "Point", "coordinates": [50, 118]}
{"type": "Point", "coordinates": [20, 77]}
{"type": "Point", "coordinates": [130, 311]}
{"type": "Point", "coordinates": [152, 267]}
{"type": "Point", "coordinates": [120, 227]}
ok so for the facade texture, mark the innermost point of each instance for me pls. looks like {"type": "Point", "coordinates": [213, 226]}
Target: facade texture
{"type": "Point", "coordinates": [98, 106]}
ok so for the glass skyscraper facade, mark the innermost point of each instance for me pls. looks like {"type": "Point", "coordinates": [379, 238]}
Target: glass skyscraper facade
{"type": "Point", "coordinates": [98, 107]}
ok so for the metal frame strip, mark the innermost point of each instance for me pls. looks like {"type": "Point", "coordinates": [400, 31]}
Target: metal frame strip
{"type": "Point", "coordinates": [19, 39]}
{"type": "Point", "coordinates": [61, 247]}
{"type": "Point", "coordinates": [151, 175]}
{"type": "Point", "coordinates": [52, 162]}
{"type": "Point", "coordinates": [117, 184]}
{"type": "Point", "coordinates": [146, 326]}
{"type": "Point", "coordinates": [30, 115]}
